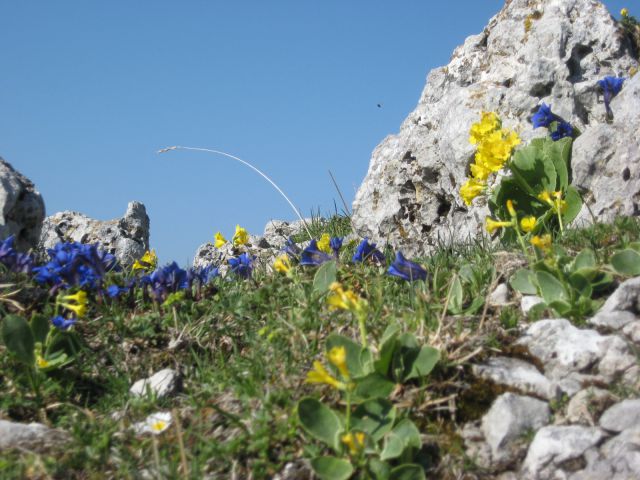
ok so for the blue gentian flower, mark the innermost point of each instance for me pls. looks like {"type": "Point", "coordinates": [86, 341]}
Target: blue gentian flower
{"type": "Point", "coordinates": [13, 260]}
{"type": "Point", "coordinates": [291, 249]}
{"type": "Point", "coordinates": [166, 280]}
{"type": "Point", "coordinates": [611, 86]}
{"type": "Point", "coordinates": [336, 244]}
{"type": "Point", "coordinates": [406, 269]}
{"type": "Point", "coordinates": [62, 323]}
{"type": "Point", "coordinates": [75, 264]}
{"type": "Point", "coordinates": [563, 129]}
{"type": "Point", "coordinates": [543, 117]}
{"type": "Point", "coordinates": [242, 265]}
{"type": "Point", "coordinates": [312, 256]}
{"type": "Point", "coordinates": [368, 251]}
{"type": "Point", "coordinates": [204, 275]}
{"type": "Point", "coordinates": [114, 291]}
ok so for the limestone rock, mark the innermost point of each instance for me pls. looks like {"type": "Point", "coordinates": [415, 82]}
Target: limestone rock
{"type": "Point", "coordinates": [34, 437]}
{"type": "Point", "coordinates": [621, 308]}
{"type": "Point", "coordinates": [564, 350]}
{"type": "Point", "coordinates": [621, 416]}
{"type": "Point", "coordinates": [276, 232]}
{"type": "Point", "coordinates": [509, 418]}
{"type": "Point", "coordinates": [516, 374]}
{"type": "Point", "coordinates": [500, 296]}
{"type": "Point", "coordinates": [528, 302]}
{"type": "Point", "coordinates": [587, 405]}
{"type": "Point", "coordinates": [531, 51]}
{"type": "Point", "coordinates": [127, 238]}
{"type": "Point", "coordinates": [161, 384]}
{"type": "Point", "coordinates": [21, 208]}
{"type": "Point", "coordinates": [553, 447]}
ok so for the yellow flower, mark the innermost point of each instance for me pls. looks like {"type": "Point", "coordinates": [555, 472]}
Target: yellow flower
{"type": "Point", "coordinates": [624, 12]}
{"type": "Point", "coordinates": [492, 225]}
{"type": "Point", "coordinates": [543, 242]}
{"type": "Point", "coordinates": [319, 374]}
{"type": "Point", "coordinates": [528, 223]}
{"type": "Point", "coordinates": [471, 189]}
{"type": "Point", "coordinates": [282, 264]}
{"type": "Point", "coordinates": [340, 299]}
{"type": "Point", "coordinates": [80, 297]}
{"type": "Point", "coordinates": [337, 356]}
{"type": "Point", "coordinates": [241, 237]}
{"type": "Point", "coordinates": [545, 197]}
{"type": "Point", "coordinates": [355, 443]}
{"type": "Point", "coordinates": [489, 122]}
{"type": "Point", "coordinates": [510, 208]}
{"type": "Point", "coordinates": [80, 310]}
{"type": "Point", "coordinates": [148, 262]}
{"type": "Point", "coordinates": [219, 240]}
{"type": "Point", "coordinates": [324, 243]}
{"type": "Point", "coordinates": [41, 362]}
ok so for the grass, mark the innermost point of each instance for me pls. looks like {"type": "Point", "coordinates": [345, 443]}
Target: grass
{"type": "Point", "coordinates": [244, 350]}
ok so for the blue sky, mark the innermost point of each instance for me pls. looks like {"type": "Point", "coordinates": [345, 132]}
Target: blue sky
{"type": "Point", "coordinates": [89, 91]}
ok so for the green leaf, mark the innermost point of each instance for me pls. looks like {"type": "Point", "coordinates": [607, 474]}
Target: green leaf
{"type": "Point", "coordinates": [635, 246]}
{"type": "Point", "coordinates": [551, 288]}
{"type": "Point", "coordinates": [561, 307]}
{"type": "Point", "coordinates": [355, 355]}
{"type": "Point", "coordinates": [40, 326]}
{"type": "Point", "coordinates": [393, 447]}
{"type": "Point", "coordinates": [456, 296]}
{"type": "Point", "coordinates": [581, 284]}
{"type": "Point", "coordinates": [332, 468]}
{"type": "Point", "coordinates": [374, 417]}
{"type": "Point", "coordinates": [522, 281]}
{"type": "Point", "coordinates": [320, 422]}
{"type": "Point", "coordinates": [585, 259]}
{"type": "Point", "coordinates": [18, 338]}
{"type": "Point", "coordinates": [408, 471]}
{"type": "Point", "coordinates": [325, 276]}
{"type": "Point", "coordinates": [626, 262]}
{"type": "Point", "coordinates": [426, 360]}
{"type": "Point", "coordinates": [373, 385]}
{"type": "Point", "coordinates": [403, 436]}
{"type": "Point", "coordinates": [559, 153]}
{"type": "Point", "coordinates": [379, 469]}
{"type": "Point", "coordinates": [386, 349]}
{"type": "Point", "coordinates": [574, 205]}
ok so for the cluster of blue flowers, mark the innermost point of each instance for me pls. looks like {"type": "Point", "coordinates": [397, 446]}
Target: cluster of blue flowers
{"type": "Point", "coordinates": [610, 86]}
{"type": "Point", "coordinates": [15, 261]}
{"type": "Point", "coordinates": [544, 117]}
{"type": "Point", "coordinates": [171, 279]}
{"type": "Point", "coordinates": [74, 264]}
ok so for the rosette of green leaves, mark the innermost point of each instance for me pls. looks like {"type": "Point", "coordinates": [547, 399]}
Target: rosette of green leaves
{"type": "Point", "coordinates": [391, 440]}
{"type": "Point", "coordinates": [566, 284]}
{"type": "Point", "coordinates": [543, 165]}
{"type": "Point", "coordinates": [626, 262]}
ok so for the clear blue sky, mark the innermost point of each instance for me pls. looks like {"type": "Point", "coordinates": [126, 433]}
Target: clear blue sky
{"type": "Point", "coordinates": [90, 90]}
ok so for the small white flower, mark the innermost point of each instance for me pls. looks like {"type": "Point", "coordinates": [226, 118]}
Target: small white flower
{"type": "Point", "coordinates": [156, 423]}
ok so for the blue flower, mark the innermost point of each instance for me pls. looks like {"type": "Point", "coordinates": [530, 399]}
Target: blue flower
{"type": "Point", "coordinates": [406, 269]}
{"type": "Point", "coordinates": [336, 244]}
{"type": "Point", "coordinates": [166, 280]}
{"type": "Point", "coordinates": [204, 275]}
{"type": "Point", "coordinates": [14, 261]}
{"type": "Point", "coordinates": [242, 265]}
{"type": "Point", "coordinates": [312, 256]}
{"type": "Point", "coordinates": [114, 291]}
{"type": "Point", "coordinates": [563, 129]}
{"type": "Point", "coordinates": [611, 86]}
{"type": "Point", "coordinates": [291, 249]}
{"type": "Point", "coordinates": [368, 251]}
{"type": "Point", "coordinates": [62, 323]}
{"type": "Point", "coordinates": [543, 117]}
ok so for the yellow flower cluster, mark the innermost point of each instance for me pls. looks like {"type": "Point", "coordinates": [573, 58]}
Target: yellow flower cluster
{"type": "Point", "coordinates": [554, 200]}
{"type": "Point", "coordinates": [240, 237]}
{"type": "Point", "coordinates": [78, 305]}
{"type": "Point", "coordinates": [543, 242]}
{"type": "Point", "coordinates": [354, 442]}
{"type": "Point", "coordinates": [324, 244]}
{"type": "Point", "coordinates": [282, 264]}
{"type": "Point", "coordinates": [337, 356]}
{"type": "Point", "coordinates": [341, 299]}
{"type": "Point", "coordinates": [148, 262]}
{"type": "Point", "coordinates": [494, 147]}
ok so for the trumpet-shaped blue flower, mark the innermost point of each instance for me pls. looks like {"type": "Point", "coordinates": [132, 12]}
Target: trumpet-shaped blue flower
{"type": "Point", "coordinates": [611, 86]}
{"type": "Point", "coordinates": [312, 255]}
{"type": "Point", "coordinates": [62, 323]}
{"type": "Point", "coordinates": [166, 280]}
{"type": "Point", "coordinates": [13, 260]}
{"type": "Point", "coordinates": [204, 275]}
{"type": "Point", "coordinates": [368, 251]}
{"type": "Point", "coordinates": [114, 291]}
{"type": "Point", "coordinates": [406, 269]}
{"type": "Point", "coordinates": [563, 129]}
{"type": "Point", "coordinates": [242, 265]}
{"type": "Point", "coordinates": [291, 249]}
{"type": "Point", "coordinates": [336, 244]}
{"type": "Point", "coordinates": [543, 117]}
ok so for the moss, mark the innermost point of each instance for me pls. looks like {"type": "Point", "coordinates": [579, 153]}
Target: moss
{"type": "Point", "coordinates": [528, 22]}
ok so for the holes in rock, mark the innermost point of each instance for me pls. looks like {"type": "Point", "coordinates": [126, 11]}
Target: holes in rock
{"type": "Point", "coordinates": [430, 175]}
{"type": "Point", "coordinates": [408, 157]}
{"type": "Point", "coordinates": [425, 228]}
{"type": "Point", "coordinates": [626, 174]}
{"type": "Point", "coordinates": [444, 207]}
{"type": "Point", "coordinates": [573, 64]}
{"type": "Point", "coordinates": [507, 83]}
{"type": "Point", "coordinates": [408, 188]}
{"type": "Point", "coordinates": [541, 89]}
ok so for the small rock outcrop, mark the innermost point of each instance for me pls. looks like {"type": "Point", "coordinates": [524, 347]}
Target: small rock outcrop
{"type": "Point", "coordinates": [33, 437]}
{"type": "Point", "coordinates": [21, 208]}
{"type": "Point", "coordinates": [162, 384]}
{"type": "Point", "coordinates": [532, 51]}
{"type": "Point", "coordinates": [127, 238]}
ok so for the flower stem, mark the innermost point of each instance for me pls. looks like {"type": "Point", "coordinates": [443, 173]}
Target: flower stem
{"type": "Point", "coordinates": [362, 324]}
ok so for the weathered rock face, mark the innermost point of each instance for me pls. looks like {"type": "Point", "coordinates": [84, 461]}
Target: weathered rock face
{"type": "Point", "coordinates": [532, 51]}
{"type": "Point", "coordinates": [21, 208]}
{"type": "Point", "coordinates": [127, 238]}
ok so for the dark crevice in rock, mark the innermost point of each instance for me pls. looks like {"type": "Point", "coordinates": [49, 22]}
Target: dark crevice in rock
{"type": "Point", "coordinates": [430, 175]}
{"type": "Point", "coordinates": [407, 188]}
{"type": "Point", "coordinates": [444, 207]}
{"type": "Point", "coordinates": [541, 90]}
{"type": "Point", "coordinates": [578, 52]}
{"type": "Point", "coordinates": [408, 157]}
{"type": "Point", "coordinates": [626, 174]}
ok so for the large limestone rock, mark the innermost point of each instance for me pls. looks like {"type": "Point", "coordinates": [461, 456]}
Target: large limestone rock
{"type": "Point", "coordinates": [127, 238]}
{"type": "Point", "coordinates": [532, 51]}
{"type": "Point", "coordinates": [21, 208]}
